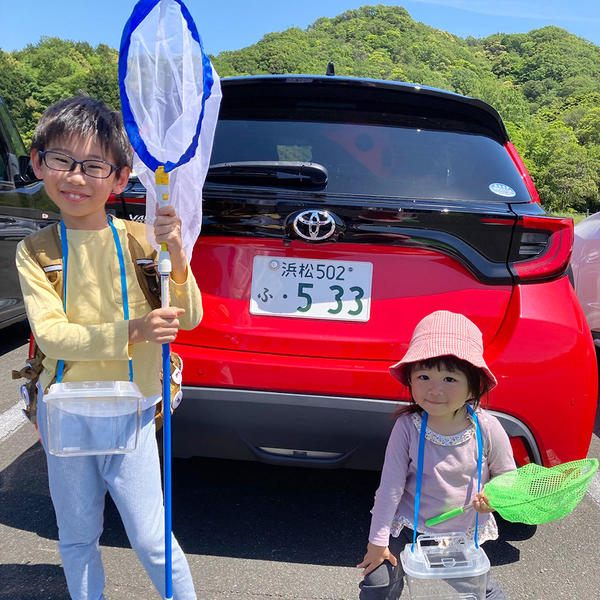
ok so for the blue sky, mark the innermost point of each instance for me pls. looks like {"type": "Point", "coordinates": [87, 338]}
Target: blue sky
{"type": "Point", "coordinates": [234, 24]}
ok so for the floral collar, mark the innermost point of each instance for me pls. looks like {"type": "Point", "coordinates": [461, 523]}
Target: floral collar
{"type": "Point", "coordinates": [446, 440]}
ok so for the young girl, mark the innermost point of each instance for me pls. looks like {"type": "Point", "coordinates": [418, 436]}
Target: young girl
{"type": "Point", "coordinates": [445, 371]}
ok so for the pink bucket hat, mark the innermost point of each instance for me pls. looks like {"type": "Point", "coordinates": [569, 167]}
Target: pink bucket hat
{"type": "Point", "coordinates": [445, 333]}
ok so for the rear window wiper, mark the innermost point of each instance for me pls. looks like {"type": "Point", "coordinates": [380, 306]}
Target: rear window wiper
{"type": "Point", "coordinates": [272, 172]}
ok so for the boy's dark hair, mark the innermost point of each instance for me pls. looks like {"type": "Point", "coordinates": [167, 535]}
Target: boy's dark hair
{"type": "Point", "coordinates": [476, 379]}
{"type": "Point", "coordinates": [84, 117]}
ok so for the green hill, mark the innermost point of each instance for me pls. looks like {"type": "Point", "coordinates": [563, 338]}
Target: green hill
{"type": "Point", "coordinates": [545, 83]}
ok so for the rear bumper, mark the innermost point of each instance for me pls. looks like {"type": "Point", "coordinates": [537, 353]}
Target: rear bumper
{"type": "Point", "coordinates": [283, 428]}
{"type": "Point", "coordinates": [294, 429]}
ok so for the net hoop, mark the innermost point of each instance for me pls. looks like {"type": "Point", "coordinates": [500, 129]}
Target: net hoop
{"type": "Point", "coordinates": [141, 10]}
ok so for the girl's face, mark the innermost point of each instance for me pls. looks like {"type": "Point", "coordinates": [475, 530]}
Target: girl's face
{"type": "Point", "coordinates": [438, 390]}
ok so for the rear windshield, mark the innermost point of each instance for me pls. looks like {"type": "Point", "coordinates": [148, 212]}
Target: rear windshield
{"type": "Point", "coordinates": [379, 160]}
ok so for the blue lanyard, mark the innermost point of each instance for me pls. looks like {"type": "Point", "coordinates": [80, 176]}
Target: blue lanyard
{"type": "Point", "coordinates": [424, 417]}
{"type": "Point", "coordinates": [423, 431]}
{"type": "Point", "coordinates": [479, 466]}
{"type": "Point", "coordinates": [65, 253]}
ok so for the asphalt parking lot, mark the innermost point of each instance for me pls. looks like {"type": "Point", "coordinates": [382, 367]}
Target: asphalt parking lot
{"type": "Point", "coordinates": [254, 531]}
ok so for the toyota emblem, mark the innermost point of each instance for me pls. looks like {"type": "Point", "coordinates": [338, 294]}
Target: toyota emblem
{"type": "Point", "coordinates": [314, 225]}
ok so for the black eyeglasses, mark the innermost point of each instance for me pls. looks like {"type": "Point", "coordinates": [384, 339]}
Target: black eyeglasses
{"type": "Point", "coordinates": [93, 167]}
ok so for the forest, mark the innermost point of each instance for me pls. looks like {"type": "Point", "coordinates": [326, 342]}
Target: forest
{"type": "Point", "coordinates": [545, 83]}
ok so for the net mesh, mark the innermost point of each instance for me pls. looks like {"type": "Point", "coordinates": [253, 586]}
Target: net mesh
{"type": "Point", "coordinates": [533, 494]}
{"type": "Point", "coordinates": [165, 81]}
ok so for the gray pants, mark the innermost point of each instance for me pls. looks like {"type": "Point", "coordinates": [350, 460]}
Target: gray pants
{"type": "Point", "coordinates": [78, 486]}
{"type": "Point", "coordinates": [387, 582]}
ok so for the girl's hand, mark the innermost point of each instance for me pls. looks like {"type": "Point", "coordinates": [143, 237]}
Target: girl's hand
{"type": "Point", "coordinates": [160, 326]}
{"type": "Point", "coordinates": [374, 557]}
{"type": "Point", "coordinates": [481, 503]}
{"type": "Point", "coordinates": [167, 230]}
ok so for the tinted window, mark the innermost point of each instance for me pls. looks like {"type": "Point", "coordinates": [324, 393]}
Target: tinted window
{"type": "Point", "coordinates": [11, 132]}
{"type": "Point", "coordinates": [379, 160]}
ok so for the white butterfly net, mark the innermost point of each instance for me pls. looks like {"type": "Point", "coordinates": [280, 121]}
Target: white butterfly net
{"type": "Point", "coordinates": [166, 88]}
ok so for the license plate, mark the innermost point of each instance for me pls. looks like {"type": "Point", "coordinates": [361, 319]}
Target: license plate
{"type": "Point", "coordinates": [314, 289]}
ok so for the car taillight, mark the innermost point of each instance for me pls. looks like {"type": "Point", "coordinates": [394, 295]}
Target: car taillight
{"type": "Point", "coordinates": [541, 248]}
{"type": "Point", "coordinates": [512, 151]}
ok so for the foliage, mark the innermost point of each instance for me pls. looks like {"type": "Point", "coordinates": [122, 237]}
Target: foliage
{"type": "Point", "coordinates": [545, 83]}
{"type": "Point", "coordinates": [42, 73]}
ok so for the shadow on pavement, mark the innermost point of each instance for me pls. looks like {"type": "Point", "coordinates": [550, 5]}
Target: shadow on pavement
{"type": "Point", "coordinates": [501, 551]}
{"type": "Point", "coordinates": [13, 337]}
{"type": "Point", "coordinates": [256, 511]}
{"type": "Point", "coordinates": [32, 582]}
{"type": "Point", "coordinates": [240, 510]}
{"type": "Point", "coordinates": [24, 496]}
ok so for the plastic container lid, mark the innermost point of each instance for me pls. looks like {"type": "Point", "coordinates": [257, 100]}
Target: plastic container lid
{"type": "Point", "coordinates": [77, 389]}
{"type": "Point", "coordinates": [93, 417]}
{"type": "Point", "coordinates": [444, 556]}
{"type": "Point", "coordinates": [95, 398]}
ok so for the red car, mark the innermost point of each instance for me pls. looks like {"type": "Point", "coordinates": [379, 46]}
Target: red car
{"type": "Point", "coordinates": [337, 213]}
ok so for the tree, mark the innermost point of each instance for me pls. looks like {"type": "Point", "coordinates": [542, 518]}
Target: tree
{"type": "Point", "coordinates": [565, 175]}
{"type": "Point", "coordinates": [545, 84]}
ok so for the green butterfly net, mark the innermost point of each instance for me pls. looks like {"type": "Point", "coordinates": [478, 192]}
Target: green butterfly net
{"type": "Point", "coordinates": [533, 494]}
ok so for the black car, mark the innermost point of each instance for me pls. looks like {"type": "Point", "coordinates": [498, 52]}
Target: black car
{"type": "Point", "coordinates": [24, 208]}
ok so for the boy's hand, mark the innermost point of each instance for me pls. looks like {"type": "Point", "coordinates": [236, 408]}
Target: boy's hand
{"type": "Point", "coordinates": [160, 326]}
{"type": "Point", "coordinates": [481, 503]}
{"type": "Point", "coordinates": [374, 557]}
{"type": "Point", "coordinates": [167, 230]}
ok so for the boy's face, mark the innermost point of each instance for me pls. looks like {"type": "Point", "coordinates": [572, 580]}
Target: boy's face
{"type": "Point", "coordinates": [79, 197]}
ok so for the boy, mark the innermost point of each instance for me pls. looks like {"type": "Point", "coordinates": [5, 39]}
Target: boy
{"type": "Point", "coordinates": [81, 151]}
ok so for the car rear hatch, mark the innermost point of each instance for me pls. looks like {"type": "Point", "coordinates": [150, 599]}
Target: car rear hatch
{"type": "Point", "coordinates": [339, 212]}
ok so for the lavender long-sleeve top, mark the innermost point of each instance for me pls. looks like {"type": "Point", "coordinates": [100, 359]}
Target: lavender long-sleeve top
{"type": "Point", "coordinates": [449, 477]}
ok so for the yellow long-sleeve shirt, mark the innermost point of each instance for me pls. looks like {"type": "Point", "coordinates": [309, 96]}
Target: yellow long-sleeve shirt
{"type": "Point", "coordinates": [93, 336]}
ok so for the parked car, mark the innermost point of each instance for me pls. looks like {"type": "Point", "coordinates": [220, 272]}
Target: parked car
{"type": "Point", "coordinates": [24, 208]}
{"type": "Point", "coordinates": [585, 264]}
{"type": "Point", "coordinates": [337, 213]}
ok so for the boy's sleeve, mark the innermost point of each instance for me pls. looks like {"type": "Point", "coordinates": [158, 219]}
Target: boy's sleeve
{"type": "Point", "coordinates": [55, 335]}
{"type": "Point", "coordinates": [391, 487]}
{"type": "Point", "coordinates": [187, 296]}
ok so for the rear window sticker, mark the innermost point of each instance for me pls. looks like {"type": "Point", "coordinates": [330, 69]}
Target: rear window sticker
{"type": "Point", "coordinates": [501, 189]}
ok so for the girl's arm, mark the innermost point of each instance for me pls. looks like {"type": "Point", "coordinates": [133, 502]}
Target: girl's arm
{"type": "Point", "coordinates": [391, 487]}
{"type": "Point", "coordinates": [499, 457]}
{"type": "Point", "coordinates": [387, 497]}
